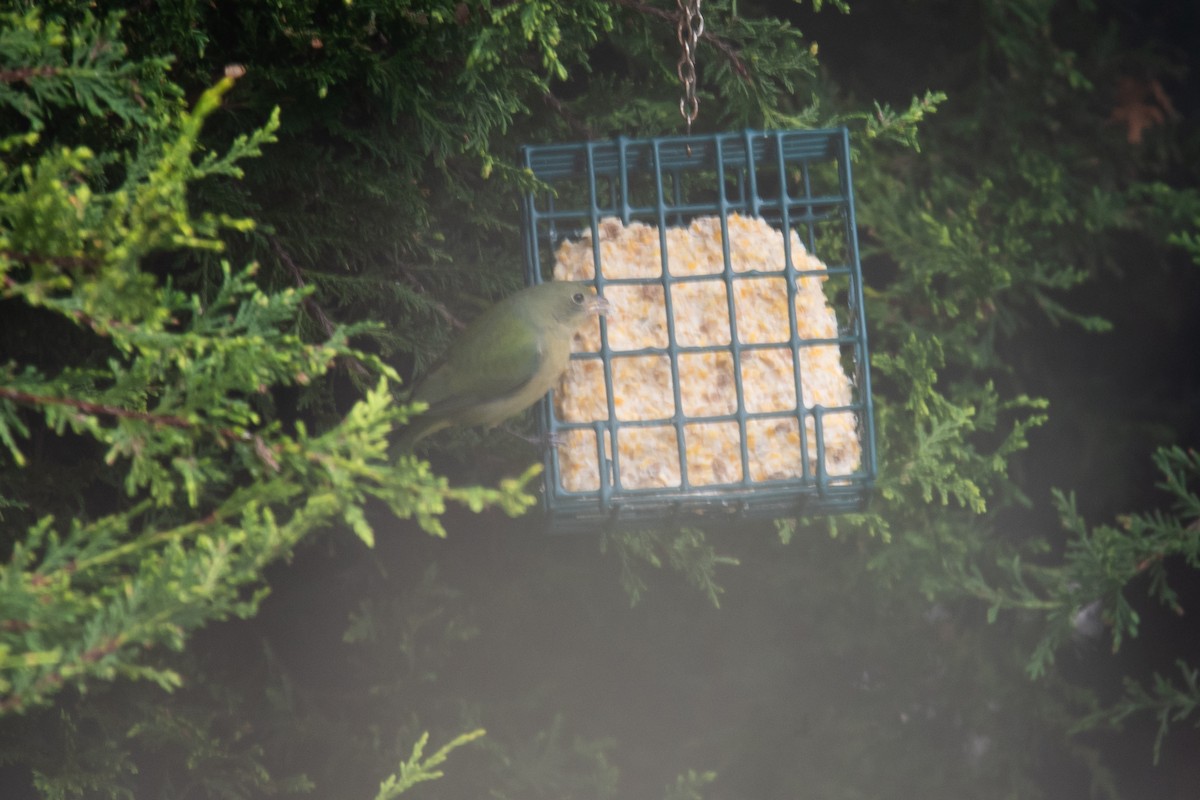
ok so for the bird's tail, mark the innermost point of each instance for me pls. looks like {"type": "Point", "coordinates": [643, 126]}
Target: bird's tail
{"type": "Point", "coordinates": [408, 439]}
{"type": "Point", "coordinates": [418, 429]}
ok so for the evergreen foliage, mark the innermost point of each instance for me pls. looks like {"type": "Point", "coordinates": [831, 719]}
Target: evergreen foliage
{"type": "Point", "coordinates": [162, 385]}
{"type": "Point", "coordinates": [226, 231]}
{"type": "Point", "coordinates": [417, 770]}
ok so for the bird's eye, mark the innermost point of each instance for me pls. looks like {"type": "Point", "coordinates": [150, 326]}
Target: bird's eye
{"type": "Point", "coordinates": [577, 298]}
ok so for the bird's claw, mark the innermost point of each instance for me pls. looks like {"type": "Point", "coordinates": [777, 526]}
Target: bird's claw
{"type": "Point", "coordinates": [542, 441]}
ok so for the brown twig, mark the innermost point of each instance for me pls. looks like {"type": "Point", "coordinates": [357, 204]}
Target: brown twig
{"type": "Point", "coordinates": [1148, 562]}
{"type": "Point", "coordinates": [25, 73]}
{"type": "Point", "coordinates": [17, 702]}
{"type": "Point", "coordinates": [62, 262]}
{"type": "Point", "coordinates": [169, 420]}
{"type": "Point", "coordinates": [265, 454]}
{"type": "Point", "coordinates": [440, 308]}
{"type": "Point", "coordinates": [723, 47]}
{"type": "Point", "coordinates": [312, 306]}
{"type": "Point", "coordinates": [573, 122]}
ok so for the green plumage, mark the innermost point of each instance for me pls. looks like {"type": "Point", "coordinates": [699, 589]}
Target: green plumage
{"type": "Point", "coordinates": [505, 360]}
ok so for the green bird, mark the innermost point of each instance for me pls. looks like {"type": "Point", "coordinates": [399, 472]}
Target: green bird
{"type": "Point", "coordinates": [505, 360]}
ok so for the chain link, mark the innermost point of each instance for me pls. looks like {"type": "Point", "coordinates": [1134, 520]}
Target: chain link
{"type": "Point", "coordinates": [691, 26]}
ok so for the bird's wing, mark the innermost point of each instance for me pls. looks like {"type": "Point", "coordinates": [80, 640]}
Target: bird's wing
{"type": "Point", "coordinates": [490, 361]}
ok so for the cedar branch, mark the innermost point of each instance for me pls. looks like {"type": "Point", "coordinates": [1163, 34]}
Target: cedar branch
{"type": "Point", "coordinates": [63, 262]}
{"type": "Point", "coordinates": [26, 73]}
{"type": "Point", "coordinates": [169, 420]}
{"type": "Point", "coordinates": [312, 306]}
{"type": "Point", "coordinates": [723, 47]}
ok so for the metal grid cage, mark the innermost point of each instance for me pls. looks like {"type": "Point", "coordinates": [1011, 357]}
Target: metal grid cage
{"type": "Point", "coordinates": [771, 215]}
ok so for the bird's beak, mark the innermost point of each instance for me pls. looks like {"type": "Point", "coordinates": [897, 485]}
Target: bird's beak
{"type": "Point", "coordinates": [598, 305]}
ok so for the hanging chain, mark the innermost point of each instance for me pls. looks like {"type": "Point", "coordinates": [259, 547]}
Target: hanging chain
{"type": "Point", "coordinates": [691, 26]}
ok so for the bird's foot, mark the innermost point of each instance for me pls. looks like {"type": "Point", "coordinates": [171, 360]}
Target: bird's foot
{"type": "Point", "coordinates": [542, 441]}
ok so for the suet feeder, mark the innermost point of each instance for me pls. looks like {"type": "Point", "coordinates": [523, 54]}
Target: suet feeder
{"type": "Point", "coordinates": [730, 380]}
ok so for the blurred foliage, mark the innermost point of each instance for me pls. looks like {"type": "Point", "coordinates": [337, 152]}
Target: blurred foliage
{"type": "Point", "coordinates": [417, 770]}
{"type": "Point", "coordinates": [160, 382]}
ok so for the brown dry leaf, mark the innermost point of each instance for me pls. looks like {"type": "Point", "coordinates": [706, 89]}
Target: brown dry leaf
{"type": "Point", "coordinates": [1140, 105]}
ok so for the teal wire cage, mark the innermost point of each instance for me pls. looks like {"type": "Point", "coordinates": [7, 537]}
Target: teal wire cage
{"type": "Point", "coordinates": [730, 380]}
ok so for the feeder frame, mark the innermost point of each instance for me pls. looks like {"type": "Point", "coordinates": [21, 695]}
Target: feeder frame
{"type": "Point", "coordinates": [751, 173]}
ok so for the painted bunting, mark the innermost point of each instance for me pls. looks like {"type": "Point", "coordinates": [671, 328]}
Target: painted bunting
{"type": "Point", "coordinates": [505, 360]}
